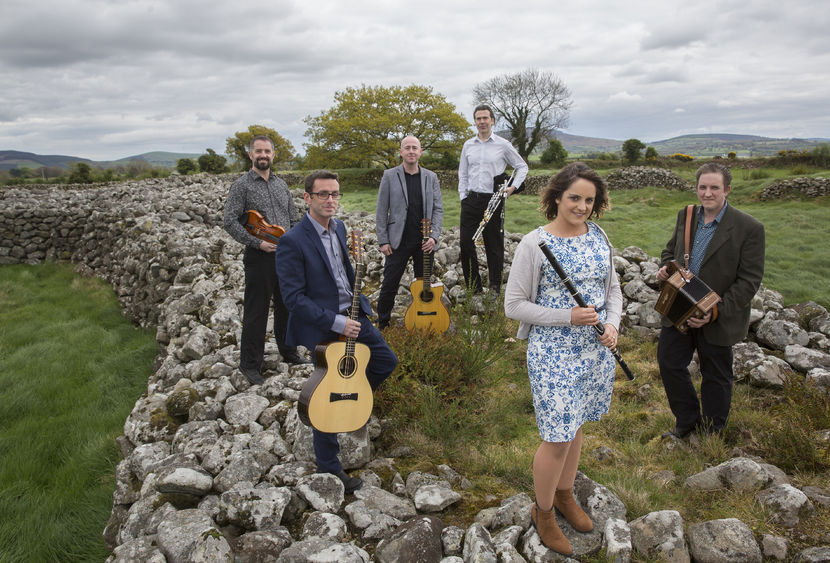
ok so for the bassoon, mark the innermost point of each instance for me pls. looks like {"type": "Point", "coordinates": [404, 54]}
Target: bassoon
{"type": "Point", "coordinates": [581, 302]}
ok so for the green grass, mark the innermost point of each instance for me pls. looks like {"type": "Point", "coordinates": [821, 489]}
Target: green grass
{"type": "Point", "coordinates": [71, 368]}
{"type": "Point", "coordinates": [485, 428]}
{"type": "Point", "coordinates": [797, 252]}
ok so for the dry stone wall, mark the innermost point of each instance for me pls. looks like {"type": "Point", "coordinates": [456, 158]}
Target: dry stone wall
{"type": "Point", "coordinates": [214, 469]}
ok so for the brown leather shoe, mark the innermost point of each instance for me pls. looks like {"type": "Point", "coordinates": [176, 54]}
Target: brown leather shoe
{"type": "Point", "coordinates": [549, 531]}
{"type": "Point", "coordinates": [565, 503]}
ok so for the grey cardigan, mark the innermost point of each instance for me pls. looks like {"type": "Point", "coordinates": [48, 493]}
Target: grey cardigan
{"type": "Point", "coordinates": [523, 282]}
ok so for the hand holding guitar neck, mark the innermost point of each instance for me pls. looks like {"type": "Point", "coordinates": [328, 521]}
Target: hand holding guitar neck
{"type": "Point", "coordinates": [581, 302]}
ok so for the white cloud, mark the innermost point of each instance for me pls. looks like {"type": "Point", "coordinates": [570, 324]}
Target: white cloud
{"type": "Point", "coordinates": [108, 78]}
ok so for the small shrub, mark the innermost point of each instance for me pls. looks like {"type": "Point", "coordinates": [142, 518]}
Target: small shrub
{"type": "Point", "coordinates": [799, 171]}
{"type": "Point", "coordinates": [681, 157]}
{"type": "Point", "coordinates": [793, 447]}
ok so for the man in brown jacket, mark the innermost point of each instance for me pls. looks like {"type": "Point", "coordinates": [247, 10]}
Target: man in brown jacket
{"type": "Point", "coordinates": [727, 252]}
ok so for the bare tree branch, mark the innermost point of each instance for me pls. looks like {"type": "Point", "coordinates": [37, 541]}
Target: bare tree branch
{"type": "Point", "coordinates": [532, 103]}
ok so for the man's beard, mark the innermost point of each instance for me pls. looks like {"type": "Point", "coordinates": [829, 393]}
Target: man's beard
{"type": "Point", "coordinates": [262, 164]}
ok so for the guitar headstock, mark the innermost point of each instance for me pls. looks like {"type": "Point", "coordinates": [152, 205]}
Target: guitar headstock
{"type": "Point", "coordinates": [356, 246]}
{"type": "Point", "coordinates": [426, 227]}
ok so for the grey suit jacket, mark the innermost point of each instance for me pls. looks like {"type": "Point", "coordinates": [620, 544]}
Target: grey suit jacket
{"type": "Point", "coordinates": [733, 266]}
{"type": "Point", "coordinates": [393, 201]}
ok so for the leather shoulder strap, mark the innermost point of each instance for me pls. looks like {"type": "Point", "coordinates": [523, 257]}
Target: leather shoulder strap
{"type": "Point", "coordinates": [689, 214]}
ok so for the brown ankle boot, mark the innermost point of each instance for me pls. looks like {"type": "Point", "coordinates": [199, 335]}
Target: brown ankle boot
{"type": "Point", "coordinates": [565, 503]}
{"type": "Point", "coordinates": [549, 531]}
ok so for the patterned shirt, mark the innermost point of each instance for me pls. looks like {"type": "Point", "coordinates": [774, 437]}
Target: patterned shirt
{"type": "Point", "coordinates": [703, 236]}
{"type": "Point", "coordinates": [481, 161]}
{"type": "Point", "coordinates": [272, 199]}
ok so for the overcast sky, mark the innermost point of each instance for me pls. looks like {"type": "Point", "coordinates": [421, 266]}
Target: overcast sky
{"type": "Point", "coordinates": [109, 79]}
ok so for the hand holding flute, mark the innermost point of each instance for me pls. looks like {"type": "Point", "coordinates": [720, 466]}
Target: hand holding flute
{"type": "Point", "coordinates": [585, 312]}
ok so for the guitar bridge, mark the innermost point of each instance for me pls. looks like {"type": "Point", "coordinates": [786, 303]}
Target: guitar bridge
{"type": "Point", "coordinates": [427, 313]}
{"type": "Point", "coordinates": [334, 397]}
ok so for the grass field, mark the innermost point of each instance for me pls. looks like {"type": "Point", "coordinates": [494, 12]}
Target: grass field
{"type": "Point", "coordinates": [71, 369]}
{"type": "Point", "coordinates": [797, 232]}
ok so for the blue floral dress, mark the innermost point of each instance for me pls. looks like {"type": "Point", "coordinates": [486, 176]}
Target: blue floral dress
{"type": "Point", "coordinates": [571, 372]}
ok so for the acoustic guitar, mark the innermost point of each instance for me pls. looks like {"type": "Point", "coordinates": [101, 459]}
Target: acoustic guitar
{"type": "Point", "coordinates": [337, 396]}
{"type": "Point", "coordinates": [426, 311]}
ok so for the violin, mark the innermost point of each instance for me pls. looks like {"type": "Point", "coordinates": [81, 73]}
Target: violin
{"type": "Point", "coordinates": [256, 225]}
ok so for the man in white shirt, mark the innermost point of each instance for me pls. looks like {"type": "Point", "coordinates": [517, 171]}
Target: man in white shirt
{"type": "Point", "coordinates": [483, 158]}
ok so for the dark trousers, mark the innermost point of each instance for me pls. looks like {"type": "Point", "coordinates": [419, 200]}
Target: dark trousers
{"type": "Point", "coordinates": [394, 266]}
{"type": "Point", "coordinates": [472, 211]}
{"type": "Point", "coordinates": [261, 288]}
{"type": "Point", "coordinates": [382, 361]}
{"type": "Point", "coordinates": [674, 352]}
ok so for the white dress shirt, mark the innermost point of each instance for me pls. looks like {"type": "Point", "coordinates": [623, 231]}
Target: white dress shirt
{"type": "Point", "coordinates": [481, 161]}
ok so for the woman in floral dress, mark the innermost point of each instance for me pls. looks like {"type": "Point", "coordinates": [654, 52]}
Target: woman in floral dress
{"type": "Point", "coordinates": [571, 369]}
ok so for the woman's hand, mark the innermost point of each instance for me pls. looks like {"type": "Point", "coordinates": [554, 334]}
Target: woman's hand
{"type": "Point", "coordinates": [609, 337]}
{"type": "Point", "coordinates": [584, 316]}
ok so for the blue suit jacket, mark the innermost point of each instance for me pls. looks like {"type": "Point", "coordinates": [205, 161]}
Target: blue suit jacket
{"type": "Point", "coordinates": [307, 283]}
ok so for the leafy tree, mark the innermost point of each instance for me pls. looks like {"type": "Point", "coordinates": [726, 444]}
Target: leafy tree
{"type": "Point", "coordinates": [820, 155]}
{"type": "Point", "coordinates": [81, 173]}
{"type": "Point", "coordinates": [732, 155]}
{"type": "Point", "coordinates": [212, 162]}
{"type": "Point", "coordinates": [631, 150]}
{"type": "Point", "coordinates": [186, 165]}
{"type": "Point", "coordinates": [238, 145]}
{"type": "Point", "coordinates": [136, 167]}
{"type": "Point", "coordinates": [651, 153]}
{"type": "Point", "coordinates": [532, 103]}
{"type": "Point", "coordinates": [554, 155]}
{"type": "Point", "coordinates": [365, 126]}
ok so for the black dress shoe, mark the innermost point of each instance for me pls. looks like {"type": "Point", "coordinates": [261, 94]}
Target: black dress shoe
{"type": "Point", "coordinates": [351, 484]}
{"type": "Point", "coordinates": [294, 357]}
{"type": "Point", "coordinates": [676, 433]}
{"type": "Point", "coordinates": [252, 375]}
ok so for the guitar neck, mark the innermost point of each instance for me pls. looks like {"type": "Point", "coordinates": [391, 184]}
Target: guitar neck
{"type": "Point", "coordinates": [355, 312]}
{"type": "Point", "coordinates": [427, 269]}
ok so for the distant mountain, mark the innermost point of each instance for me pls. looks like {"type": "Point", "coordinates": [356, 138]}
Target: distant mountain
{"type": "Point", "coordinates": [19, 159]}
{"type": "Point", "coordinates": [159, 158]}
{"type": "Point", "coordinates": [578, 145]}
{"type": "Point", "coordinates": [706, 145]}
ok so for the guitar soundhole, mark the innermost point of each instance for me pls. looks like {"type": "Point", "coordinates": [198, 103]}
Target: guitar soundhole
{"type": "Point", "coordinates": [347, 366]}
{"type": "Point", "coordinates": [426, 296]}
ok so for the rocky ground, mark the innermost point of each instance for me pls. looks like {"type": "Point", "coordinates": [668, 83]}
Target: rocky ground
{"type": "Point", "coordinates": [214, 469]}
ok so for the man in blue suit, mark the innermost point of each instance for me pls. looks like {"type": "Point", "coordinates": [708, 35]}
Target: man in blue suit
{"type": "Point", "coordinates": [408, 194]}
{"type": "Point", "coordinates": [316, 281]}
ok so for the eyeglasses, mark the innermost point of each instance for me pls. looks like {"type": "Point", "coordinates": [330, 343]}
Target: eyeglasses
{"type": "Point", "coordinates": [325, 195]}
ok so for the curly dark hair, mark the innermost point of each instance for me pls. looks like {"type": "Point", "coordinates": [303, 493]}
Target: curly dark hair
{"type": "Point", "coordinates": [563, 180]}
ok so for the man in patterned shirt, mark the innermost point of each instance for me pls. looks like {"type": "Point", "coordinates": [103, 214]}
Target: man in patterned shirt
{"type": "Point", "coordinates": [727, 253]}
{"type": "Point", "coordinates": [259, 189]}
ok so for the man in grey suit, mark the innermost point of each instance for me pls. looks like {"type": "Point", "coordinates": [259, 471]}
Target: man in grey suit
{"type": "Point", "coordinates": [727, 252]}
{"type": "Point", "coordinates": [408, 194]}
